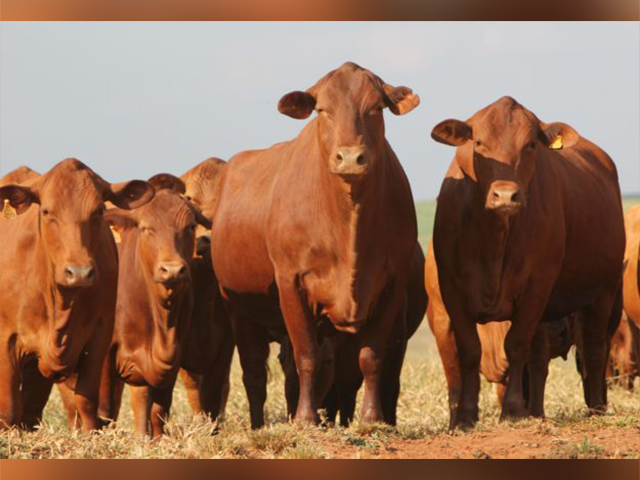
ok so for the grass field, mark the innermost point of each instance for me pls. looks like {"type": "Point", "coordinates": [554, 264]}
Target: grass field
{"type": "Point", "coordinates": [422, 427]}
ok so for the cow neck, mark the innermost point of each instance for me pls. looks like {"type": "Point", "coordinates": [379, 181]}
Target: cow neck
{"type": "Point", "coordinates": [59, 308]}
{"type": "Point", "coordinates": [163, 316]}
{"type": "Point", "coordinates": [356, 206]}
{"type": "Point", "coordinates": [493, 241]}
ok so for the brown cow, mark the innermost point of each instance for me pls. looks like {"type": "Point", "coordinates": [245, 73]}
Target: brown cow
{"type": "Point", "coordinates": [19, 176]}
{"type": "Point", "coordinates": [552, 340]}
{"type": "Point", "coordinates": [631, 296]}
{"type": "Point", "coordinates": [622, 368]}
{"type": "Point", "coordinates": [513, 239]}
{"type": "Point", "coordinates": [59, 273]}
{"type": "Point", "coordinates": [337, 388]}
{"type": "Point", "coordinates": [206, 361]}
{"type": "Point", "coordinates": [625, 353]}
{"type": "Point", "coordinates": [155, 302]}
{"type": "Point", "coordinates": [320, 226]}
{"type": "Point", "coordinates": [154, 306]}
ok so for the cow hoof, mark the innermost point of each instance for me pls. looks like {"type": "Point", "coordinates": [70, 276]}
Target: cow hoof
{"type": "Point", "coordinates": [599, 410]}
{"type": "Point", "coordinates": [307, 419]}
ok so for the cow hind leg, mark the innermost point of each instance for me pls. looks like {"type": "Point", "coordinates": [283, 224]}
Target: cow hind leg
{"type": "Point", "coordinates": [214, 386]}
{"type": "Point", "coordinates": [191, 382]}
{"type": "Point", "coordinates": [253, 349]}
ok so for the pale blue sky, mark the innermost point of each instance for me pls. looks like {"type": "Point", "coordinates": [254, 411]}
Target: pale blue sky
{"type": "Point", "coordinates": [134, 99]}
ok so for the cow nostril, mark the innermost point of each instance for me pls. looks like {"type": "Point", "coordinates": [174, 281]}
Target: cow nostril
{"type": "Point", "coordinates": [339, 157]}
{"type": "Point", "coordinates": [182, 270]}
{"type": "Point", "coordinates": [496, 194]}
{"type": "Point", "coordinates": [515, 197]}
{"type": "Point", "coordinates": [360, 159]}
{"type": "Point", "coordinates": [164, 269]}
{"type": "Point", "coordinates": [68, 273]}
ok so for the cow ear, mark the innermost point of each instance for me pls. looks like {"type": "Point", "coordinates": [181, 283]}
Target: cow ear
{"type": "Point", "coordinates": [400, 100]}
{"type": "Point", "coordinates": [163, 181]}
{"type": "Point", "coordinates": [120, 220]}
{"type": "Point", "coordinates": [452, 132]}
{"type": "Point", "coordinates": [19, 197]}
{"type": "Point", "coordinates": [558, 135]}
{"type": "Point", "coordinates": [297, 104]}
{"type": "Point", "coordinates": [129, 195]}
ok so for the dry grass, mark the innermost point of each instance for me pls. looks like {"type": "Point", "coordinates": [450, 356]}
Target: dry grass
{"type": "Point", "coordinates": [422, 430]}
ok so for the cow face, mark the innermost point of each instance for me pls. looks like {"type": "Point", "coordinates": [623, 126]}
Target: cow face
{"type": "Point", "coordinates": [200, 183]}
{"type": "Point", "coordinates": [165, 230]}
{"type": "Point", "coordinates": [349, 102]}
{"type": "Point", "coordinates": [500, 147]}
{"type": "Point", "coordinates": [71, 198]}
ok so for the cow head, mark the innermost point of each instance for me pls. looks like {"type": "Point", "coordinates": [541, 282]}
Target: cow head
{"type": "Point", "coordinates": [200, 183]}
{"type": "Point", "coordinates": [349, 102]}
{"type": "Point", "coordinates": [71, 199]}
{"type": "Point", "coordinates": [499, 147]}
{"type": "Point", "coordinates": [165, 229]}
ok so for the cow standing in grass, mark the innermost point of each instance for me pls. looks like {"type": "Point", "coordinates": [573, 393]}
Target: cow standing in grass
{"type": "Point", "coordinates": [514, 239]}
{"type": "Point", "coordinates": [319, 227]}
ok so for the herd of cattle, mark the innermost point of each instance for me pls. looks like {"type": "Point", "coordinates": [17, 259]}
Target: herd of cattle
{"type": "Point", "coordinates": [313, 243]}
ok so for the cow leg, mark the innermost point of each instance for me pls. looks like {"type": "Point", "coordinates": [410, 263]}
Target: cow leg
{"type": "Point", "coordinates": [35, 394]}
{"type": "Point", "coordinates": [161, 399]}
{"type": "Point", "coordinates": [376, 340]}
{"type": "Point", "coordinates": [141, 406]}
{"type": "Point", "coordinates": [501, 389]}
{"type": "Point", "coordinates": [10, 399]}
{"type": "Point", "coordinates": [68, 402]}
{"type": "Point", "coordinates": [253, 349]}
{"type": "Point", "coordinates": [599, 322]}
{"type": "Point", "coordinates": [111, 388]}
{"type": "Point", "coordinates": [191, 382]}
{"type": "Point", "coordinates": [348, 380]}
{"type": "Point", "coordinates": [469, 351]}
{"type": "Point", "coordinates": [448, 350]}
{"type": "Point", "coordinates": [517, 345]}
{"type": "Point", "coordinates": [87, 390]}
{"type": "Point", "coordinates": [538, 370]}
{"type": "Point", "coordinates": [214, 385]}
{"type": "Point", "coordinates": [391, 373]}
{"type": "Point", "coordinates": [302, 332]}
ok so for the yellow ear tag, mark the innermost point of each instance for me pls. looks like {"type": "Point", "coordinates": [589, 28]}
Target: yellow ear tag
{"type": "Point", "coordinates": [116, 235]}
{"type": "Point", "coordinates": [8, 210]}
{"type": "Point", "coordinates": [557, 143]}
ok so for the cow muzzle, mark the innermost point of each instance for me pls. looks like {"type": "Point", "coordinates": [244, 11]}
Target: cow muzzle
{"type": "Point", "coordinates": [171, 273]}
{"type": "Point", "coordinates": [76, 276]}
{"type": "Point", "coordinates": [504, 197]}
{"type": "Point", "coordinates": [350, 162]}
{"type": "Point", "coordinates": [348, 327]}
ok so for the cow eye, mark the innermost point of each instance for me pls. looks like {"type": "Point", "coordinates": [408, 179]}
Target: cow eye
{"type": "Point", "coordinates": [478, 143]}
{"type": "Point", "coordinates": [45, 212]}
{"type": "Point", "coordinates": [188, 197]}
{"type": "Point", "coordinates": [532, 145]}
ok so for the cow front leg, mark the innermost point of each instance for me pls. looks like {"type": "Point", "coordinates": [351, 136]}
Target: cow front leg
{"type": "Point", "coordinates": [599, 322]}
{"type": "Point", "coordinates": [538, 370]}
{"type": "Point", "coordinates": [303, 335]}
{"type": "Point", "coordinates": [87, 390]}
{"type": "Point", "coordinates": [141, 406]}
{"type": "Point", "coordinates": [35, 394]}
{"type": "Point", "coordinates": [161, 399]}
{"type": "Point", "coordinates": [375, 342]}
{"type": "Point", "coordinates": [10, 400]}
{"type": "Point", "coordinates": [517, 346]}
